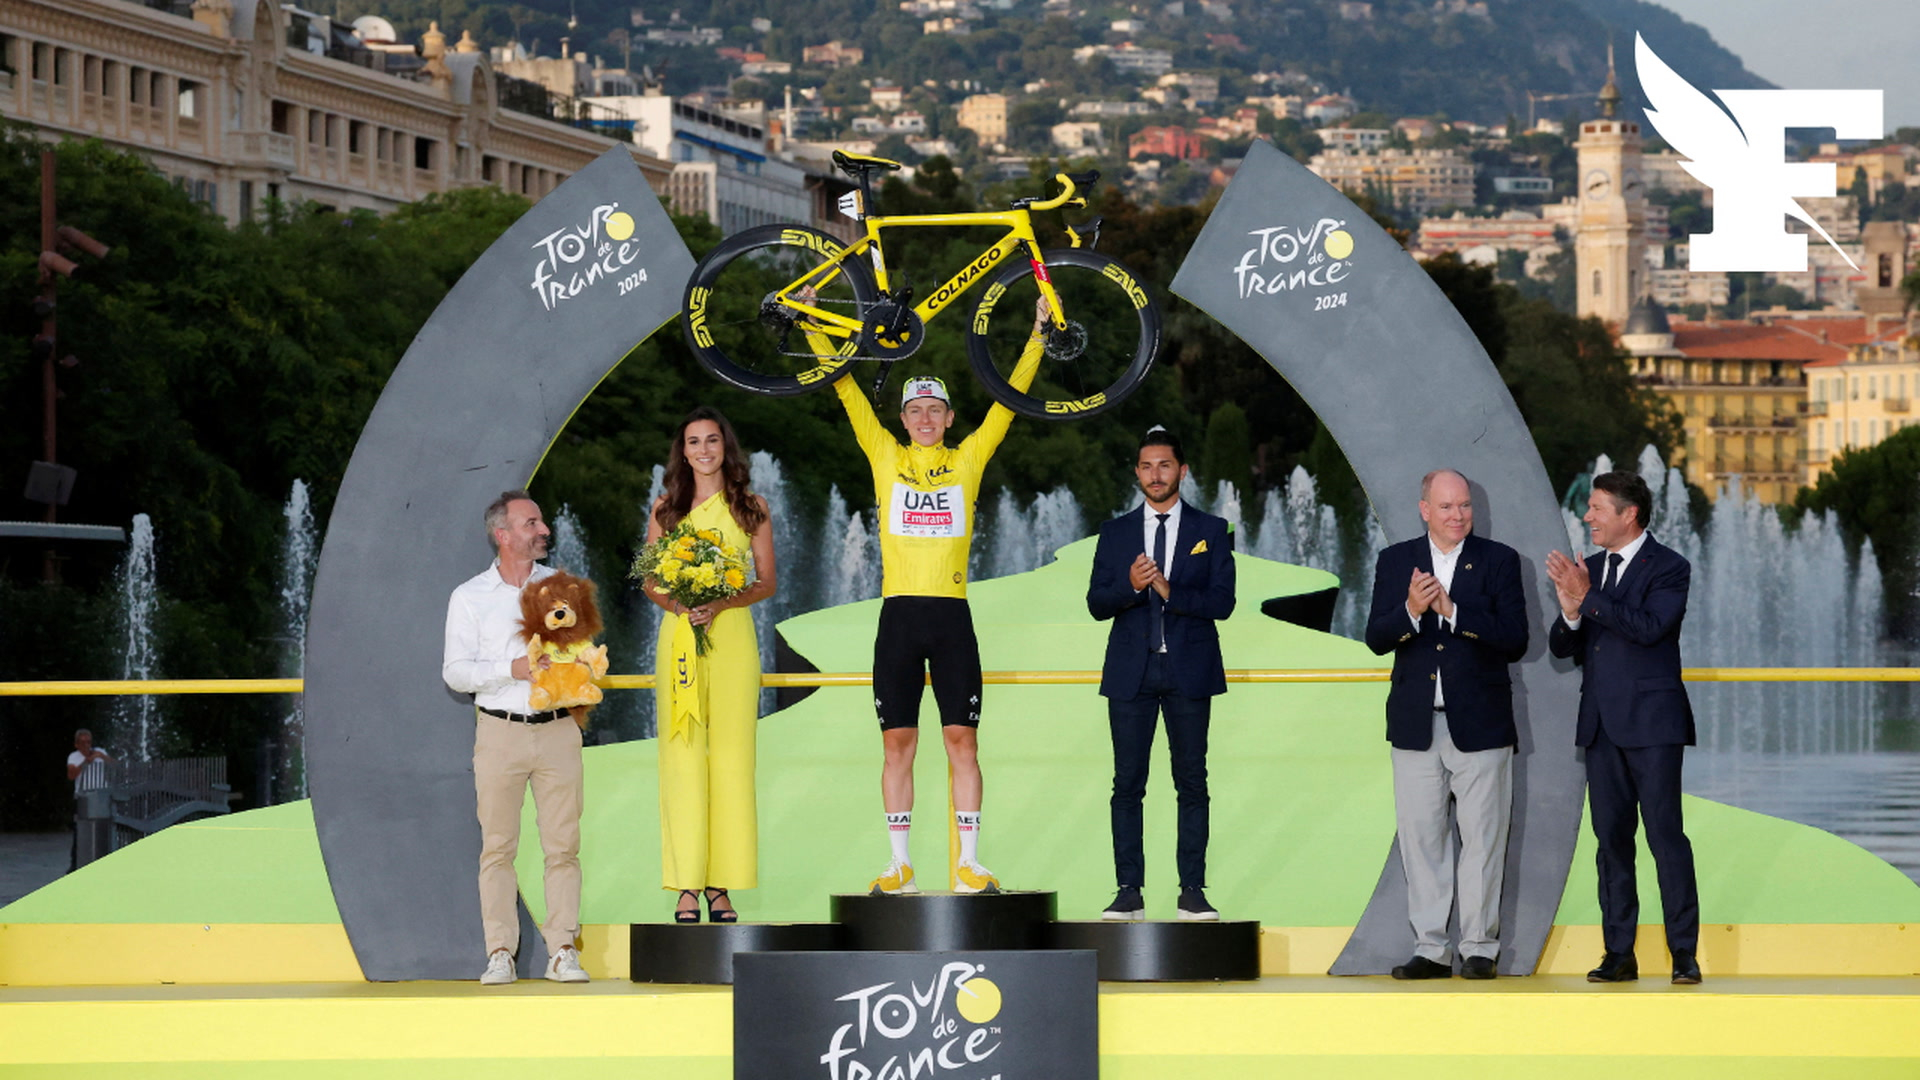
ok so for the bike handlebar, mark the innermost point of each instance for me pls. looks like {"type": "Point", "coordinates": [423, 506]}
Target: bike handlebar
{"type": "Point", "coordinates": [1069, 185]}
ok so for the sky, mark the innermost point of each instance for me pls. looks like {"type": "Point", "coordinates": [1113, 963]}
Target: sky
{"type": "Point", "coordinates": [1822, 44]}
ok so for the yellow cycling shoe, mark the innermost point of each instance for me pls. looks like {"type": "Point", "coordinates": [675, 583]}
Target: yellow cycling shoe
{"type": "Point", "coordinates": [974, 878]}
{"type": "Point", "coordinates": [896, 880]}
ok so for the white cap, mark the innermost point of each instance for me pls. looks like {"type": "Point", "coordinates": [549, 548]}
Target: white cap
{"type": "Point", "coordinates": [924, 386]}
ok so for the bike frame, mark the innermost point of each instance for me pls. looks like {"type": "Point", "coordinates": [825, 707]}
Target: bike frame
{"type": "Point", "coordinates": [1019, 226]}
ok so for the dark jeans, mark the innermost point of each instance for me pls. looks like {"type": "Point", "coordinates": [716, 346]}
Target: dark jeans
{"type": "Point", "coordinates": [1625, 785]}
{"type": "Point", "coordinates": [1132, 722]}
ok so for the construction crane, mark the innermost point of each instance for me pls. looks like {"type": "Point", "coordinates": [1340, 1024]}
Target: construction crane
{"type": "Point", "coordinates": [1533, 97]}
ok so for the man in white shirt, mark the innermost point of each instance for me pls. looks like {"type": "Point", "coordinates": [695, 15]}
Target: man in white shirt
{"type": "Point", "coordinates": [1450, 605]}
{"type": "Point", "coordinates": [486, 656]}
{"type": "Point", "coordinates": [87, 768]}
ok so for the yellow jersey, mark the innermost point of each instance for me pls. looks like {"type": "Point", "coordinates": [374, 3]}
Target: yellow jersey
{"type": "Point", "coordinates": [926, 494]}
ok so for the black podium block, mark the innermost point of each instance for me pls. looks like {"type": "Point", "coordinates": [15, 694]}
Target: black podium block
{"type": "Point", "coordinates": [1165, 951]}
{"type": "Point", "coordinates": [944, 922]}
{"type": "Point", "coordinates": [703, 952]}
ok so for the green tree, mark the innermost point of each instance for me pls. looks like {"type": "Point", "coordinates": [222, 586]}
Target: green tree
{"type": "Point", "coordinates": [1228, 453]}
{"type": "Point", "coordinates": [1872, 491]}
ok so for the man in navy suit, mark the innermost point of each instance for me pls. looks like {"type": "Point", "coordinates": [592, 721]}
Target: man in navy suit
{"type": "Point", "coordinates": [1164, 574]}
{"type": "Point", "coordinates": [1620, 620]}
{"type": "Point", "coordinates": [1450, 608]}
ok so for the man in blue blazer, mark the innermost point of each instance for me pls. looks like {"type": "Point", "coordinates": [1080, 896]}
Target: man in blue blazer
{"type": "Point", "coordinates": [1164, 574]}
{"type": "Point", "coordinates": [1450, 607]}
{"type": "Point", "coordinates": [1619, 620]}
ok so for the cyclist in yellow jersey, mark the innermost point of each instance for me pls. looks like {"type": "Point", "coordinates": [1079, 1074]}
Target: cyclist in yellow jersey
{"type": "Point", "coordinates": [926, 494]}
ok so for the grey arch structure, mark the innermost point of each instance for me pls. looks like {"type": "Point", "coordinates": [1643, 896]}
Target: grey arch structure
{"type": "Point", "coordinates": [1378, 352]}
{"type": "Point", "coordinates": [513, 350]}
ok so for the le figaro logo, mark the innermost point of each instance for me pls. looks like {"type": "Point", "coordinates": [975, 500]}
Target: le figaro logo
{"type": "Point", "coordinates": [577, 257]}
{"type": "Point", "coordinates": [945, 1030]}
{"type": "Point", "coordinates": [1740, 152]}
{"type": "Point", "coordinates": [1288, 259]}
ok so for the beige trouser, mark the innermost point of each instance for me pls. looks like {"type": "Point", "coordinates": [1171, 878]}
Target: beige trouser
{"type": "Point", "coordinates": [1479, 784]}
{"type": "Point", "coordinates": [507, 756]}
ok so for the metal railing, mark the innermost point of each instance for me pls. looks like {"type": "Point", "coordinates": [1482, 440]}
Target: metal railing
{"type": "Point", "coordinates": [797, 680]}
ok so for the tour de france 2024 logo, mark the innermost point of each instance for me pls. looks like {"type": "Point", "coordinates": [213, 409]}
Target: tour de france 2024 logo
{"type": "Point", "coordinates": [1286, 259]}
{"type": "Point", "coordinates": [575, 258]}
{"type": "Point", "coordinates": [1740, 152]}
{"type": "Point", "coordinates": [944, 1030]}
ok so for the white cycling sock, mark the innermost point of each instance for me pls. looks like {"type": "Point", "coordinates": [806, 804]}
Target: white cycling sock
{"type": "Point", "coordinates": [968, 823]}
{"type": "Point", "coordinates": [897, 828]}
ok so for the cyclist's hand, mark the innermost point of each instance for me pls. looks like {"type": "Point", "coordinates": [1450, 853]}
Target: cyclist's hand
{"type": "Point", "coordinates": [1042, 318]}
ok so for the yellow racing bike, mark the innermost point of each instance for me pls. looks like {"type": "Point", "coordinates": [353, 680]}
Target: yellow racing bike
{"type": "Point", "coordinates": [755, 302]}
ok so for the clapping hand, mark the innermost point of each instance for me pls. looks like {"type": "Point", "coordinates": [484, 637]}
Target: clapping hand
{"type": "Point", "coordinates": [1424, 592]}
{"type": "Point", "coordinates": [1570, 583]}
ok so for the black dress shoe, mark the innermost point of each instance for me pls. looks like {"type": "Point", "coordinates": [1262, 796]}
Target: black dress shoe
{"type": "Point", "coordinates": [1477, 967]}
{"type": "Point", "coordinates": [1422, 968]}
{"type": "Point", "coordinates": [1615, 967]}
{"type": "Point", "coordinates": [1686, 969]}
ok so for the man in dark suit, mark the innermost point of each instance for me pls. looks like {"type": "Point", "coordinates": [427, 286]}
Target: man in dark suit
{"type": "Point", "coordinates": [1450, 608]}
{"type": "Point", "coordinates": [1164, 574]}
{"type": "Point", "coordinates": [1620, 620]}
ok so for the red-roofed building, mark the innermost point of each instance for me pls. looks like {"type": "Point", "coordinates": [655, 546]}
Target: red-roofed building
{"type": "Point", "coordinates": [1172, 140]}
{"type": "Point", "coordinates": [1741, 389]}
{"type": "Point", "coordinates": [1866, 395]}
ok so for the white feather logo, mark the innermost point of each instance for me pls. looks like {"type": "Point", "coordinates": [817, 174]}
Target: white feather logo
{"type": "Point", "coordinates": [1720, 154]}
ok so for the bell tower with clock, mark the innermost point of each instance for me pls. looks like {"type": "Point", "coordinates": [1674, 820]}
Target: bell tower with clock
{"type": "Point", "coordinates": [1609, 243]}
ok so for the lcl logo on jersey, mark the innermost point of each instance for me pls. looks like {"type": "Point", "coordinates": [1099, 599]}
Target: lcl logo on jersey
{"type": "Point", "coordinates": [1740, 152]}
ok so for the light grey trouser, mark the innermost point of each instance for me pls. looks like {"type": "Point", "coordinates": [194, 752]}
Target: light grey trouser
{"type": "Point", "coordinates": [1481, 787]}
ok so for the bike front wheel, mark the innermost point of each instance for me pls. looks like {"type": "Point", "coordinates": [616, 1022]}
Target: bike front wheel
{"type": "Point", "coordinates": [741, 331]}
{"type": "Point", "coordinates": [1093, 362]}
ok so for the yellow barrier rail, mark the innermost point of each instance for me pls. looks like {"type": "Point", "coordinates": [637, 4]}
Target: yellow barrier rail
{"type": "Point", "coordinates": [781, 681]}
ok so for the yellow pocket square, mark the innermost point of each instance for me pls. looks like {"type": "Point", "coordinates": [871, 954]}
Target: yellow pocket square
{"type": "Point", "coordinates": [1199, 548]}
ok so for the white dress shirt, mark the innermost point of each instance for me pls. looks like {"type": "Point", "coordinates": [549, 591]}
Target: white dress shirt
{"type": "Point", "coordinates": [1151, 519]}
{"type": "Point", "coordinates": [483, 640]}
{"type": "Point", "coordinates": [1443, 564]}
{"type": "Point", "coordinates": [1626, 560]}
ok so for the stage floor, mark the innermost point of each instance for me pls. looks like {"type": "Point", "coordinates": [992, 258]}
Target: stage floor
{"type": "Point", "coordinates": [1739, 1028]}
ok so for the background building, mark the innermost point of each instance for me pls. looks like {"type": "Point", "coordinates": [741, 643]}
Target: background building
{"type": "Point", "coordinates": [1609, 242]}
{"type": "Point", "coordinates": [1421, 181]}
{"type": "Point", "coordinates": [723, 168]}
{"type": "Point", "coordinates": [224, 105]}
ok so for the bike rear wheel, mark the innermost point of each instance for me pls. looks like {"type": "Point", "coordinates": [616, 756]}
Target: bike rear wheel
{"type": "Point", "coordinates": [746, 338]}
{"type": "Point", "coordinates": [1102, 355]}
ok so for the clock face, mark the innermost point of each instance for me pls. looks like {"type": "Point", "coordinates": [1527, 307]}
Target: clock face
{"type": "Point", "coordinates": [1598, 184]}
{"type": "Point", "coordinates": [1630, 184]}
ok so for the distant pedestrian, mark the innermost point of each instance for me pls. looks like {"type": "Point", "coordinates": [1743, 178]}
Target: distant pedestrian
{"type": "Point", "coordinates": [87, 768]}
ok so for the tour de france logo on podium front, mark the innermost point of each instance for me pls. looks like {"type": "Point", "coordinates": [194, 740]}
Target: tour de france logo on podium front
{"type": "Point", "coordinates": [907, 1016]}
{"type": "Point", "coordinates": [1295, 263]}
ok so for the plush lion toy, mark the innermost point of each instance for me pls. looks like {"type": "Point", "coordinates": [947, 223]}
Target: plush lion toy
{"type": "Point", "coordinates": [559, 619]}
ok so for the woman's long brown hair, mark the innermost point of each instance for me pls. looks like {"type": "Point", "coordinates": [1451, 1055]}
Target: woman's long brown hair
{"type": "Point", "coordinates": [734, 474]}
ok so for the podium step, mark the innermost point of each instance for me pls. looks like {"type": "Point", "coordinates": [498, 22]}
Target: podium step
{"type": "Point", "coordinates": [1165, 951]}
{"type": "Point", "coordinates": [703, 952]}
{"type": "Point", "coordinates": [944, 922]}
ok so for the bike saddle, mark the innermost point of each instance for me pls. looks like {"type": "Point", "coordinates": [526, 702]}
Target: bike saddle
{"type": "Point", "coordinates": [858, 165]}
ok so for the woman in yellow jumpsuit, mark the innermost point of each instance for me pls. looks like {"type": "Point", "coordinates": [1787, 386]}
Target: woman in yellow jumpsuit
{"type": "Point", "coordinates": [709, 706]}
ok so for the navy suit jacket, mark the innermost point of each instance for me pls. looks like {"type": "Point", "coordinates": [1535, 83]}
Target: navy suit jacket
{"type": "Point", "coordinates": [1199, 593]}
{"type": "Point", "coordinates": [1470, 660]}
{"type": "Point", "coordinates": [1628, 649]}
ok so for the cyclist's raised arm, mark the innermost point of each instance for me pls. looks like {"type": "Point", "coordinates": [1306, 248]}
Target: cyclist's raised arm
{"type": "Point", "coordinates": [986, 438]}
{"type": "Point", "coordinates": [867, 429]}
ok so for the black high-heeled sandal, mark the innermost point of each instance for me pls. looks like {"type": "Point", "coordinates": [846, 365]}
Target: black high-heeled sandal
{"type": "Point", "coordinates": [714, 915]}
{"type": "Point", "coordinates": [688, 915]}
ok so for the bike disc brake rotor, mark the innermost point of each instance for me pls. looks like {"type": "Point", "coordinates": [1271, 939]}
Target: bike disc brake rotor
{"type": "Point", "coordinates": [1068, 342]}
{"type": "Point", "coordinates": [879, 342]}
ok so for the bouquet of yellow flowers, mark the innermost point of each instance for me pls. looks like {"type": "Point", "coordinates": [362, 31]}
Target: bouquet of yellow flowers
{"type": "Point", "coordinates": [694, 567]}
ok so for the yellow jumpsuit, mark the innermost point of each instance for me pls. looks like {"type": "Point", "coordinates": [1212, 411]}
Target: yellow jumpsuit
{"type": "Point", "coordinates": [707, 720]}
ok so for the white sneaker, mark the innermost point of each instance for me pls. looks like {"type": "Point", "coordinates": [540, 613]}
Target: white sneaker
{"type": "Point", "coordinates": [499, 969]}
{"type": "Point", "coordinates": [565, 967]}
